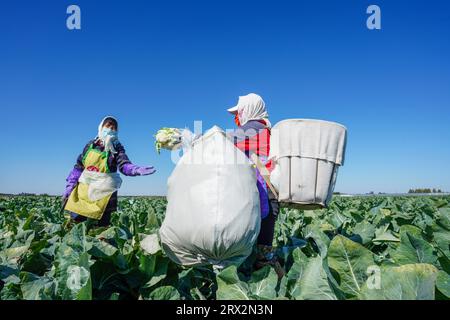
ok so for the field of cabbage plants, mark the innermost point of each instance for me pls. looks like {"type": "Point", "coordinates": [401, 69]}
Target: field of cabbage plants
{"type": "Point", "coordinates": [359, 248]}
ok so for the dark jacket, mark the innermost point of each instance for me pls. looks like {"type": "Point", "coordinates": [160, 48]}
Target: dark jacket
{"type": "Point", "coordinates": [115, 161]}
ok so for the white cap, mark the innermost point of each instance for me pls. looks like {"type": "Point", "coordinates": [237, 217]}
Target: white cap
{"type": "Point", "coordinates": [233, 110]}
{"type": "Point", "coordinates": [251, 107]}
{"type": "Point", "coordinates": [243, 101]}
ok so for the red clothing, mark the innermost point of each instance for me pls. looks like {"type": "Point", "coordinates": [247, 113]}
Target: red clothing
{"type": "Point", "coordinates": [258, 143]}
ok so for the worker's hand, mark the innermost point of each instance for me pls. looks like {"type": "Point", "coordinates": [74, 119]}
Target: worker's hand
{"type": "Point", "coordinates": [144, 171]}
{"type": "Point", "coordinates": [133, 170]}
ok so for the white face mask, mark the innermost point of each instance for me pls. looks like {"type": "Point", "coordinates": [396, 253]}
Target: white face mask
{"type": "Point", "coordinates": [108, 137]}
{"type": "Point", "coordinates": [107, 132]}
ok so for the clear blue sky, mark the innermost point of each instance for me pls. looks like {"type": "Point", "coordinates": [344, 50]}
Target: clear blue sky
{"type": "Point", "coordinates": [167, 63]}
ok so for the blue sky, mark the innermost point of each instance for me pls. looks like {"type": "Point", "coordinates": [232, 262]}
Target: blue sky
{"type": "Point", "coordinates": [169, 63]}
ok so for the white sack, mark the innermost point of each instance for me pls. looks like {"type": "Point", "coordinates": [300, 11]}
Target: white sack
{"type": "Point", "coordinates": [100, 184]}
{"type": "Point", "coordinates": [213, 211]}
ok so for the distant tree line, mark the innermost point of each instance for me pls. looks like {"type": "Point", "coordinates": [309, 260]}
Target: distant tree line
{"type": "Point", "coordinates": [25, 194]}
{"type": "Point", "coordinates": [425, 190]}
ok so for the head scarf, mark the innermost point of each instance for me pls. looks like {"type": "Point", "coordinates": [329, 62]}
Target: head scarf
{"type": "Point", "coordinates": [109, 141]}
{"type": "Point", "coordinates": [252, 107]}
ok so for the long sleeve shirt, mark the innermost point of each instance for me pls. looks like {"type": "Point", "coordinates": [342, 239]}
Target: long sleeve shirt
{"type": "Point", "coordinates": [116, 161]}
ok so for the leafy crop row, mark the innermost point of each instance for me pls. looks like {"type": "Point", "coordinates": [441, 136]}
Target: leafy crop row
{"type": "Point", "coordinates": [358, 248]}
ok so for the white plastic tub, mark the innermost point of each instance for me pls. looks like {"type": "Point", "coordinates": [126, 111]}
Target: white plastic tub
{"type": "Point", "coordinates": [307, 155]}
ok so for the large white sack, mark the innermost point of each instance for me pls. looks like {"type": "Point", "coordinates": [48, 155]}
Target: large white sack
{"type": "Point", "coordinates": [213, 211]}
{"type": "Point", "coordinates": [307, 155]}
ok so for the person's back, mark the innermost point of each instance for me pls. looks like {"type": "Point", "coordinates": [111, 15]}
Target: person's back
{"type": "Point", "coordinates": [253, 136]}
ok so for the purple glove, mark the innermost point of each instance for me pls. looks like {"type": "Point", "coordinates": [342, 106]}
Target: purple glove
{"type": "Point", "coordinates": [132, 170]}
{"type": "Point", "coordinates": [72, 181]}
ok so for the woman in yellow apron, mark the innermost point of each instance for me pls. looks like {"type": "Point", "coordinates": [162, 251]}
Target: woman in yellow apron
{"type": "Point", "coordinates": [91, 190]}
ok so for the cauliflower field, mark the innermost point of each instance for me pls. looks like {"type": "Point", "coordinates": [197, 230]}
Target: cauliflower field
{"type": "Point", "coordinates": [359, 248]}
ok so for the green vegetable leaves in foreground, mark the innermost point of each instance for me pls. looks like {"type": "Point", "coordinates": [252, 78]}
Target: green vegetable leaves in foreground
{"type": "Point", "coordinates": [312, 283]}
{"type": "Point", "coordinates": [413, 248]}
{"type": "Point", "coordinates": [72, 263]}
{"type": "Point", "coordinates": [351, 261]}
{"type": "Point", "coordinates": [261, 286]}
{"type": "Point", "coordinates": [394, 248]}
{"type": "Point", "coordinates": [407, 282]}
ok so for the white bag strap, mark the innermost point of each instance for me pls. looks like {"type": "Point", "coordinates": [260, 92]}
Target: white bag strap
{"type": "Point", "coordinates": [264, 172]}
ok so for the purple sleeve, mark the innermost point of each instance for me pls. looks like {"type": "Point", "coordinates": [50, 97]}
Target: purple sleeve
{"type": "Point", "coordinates": [127, 168]}
{"type": "Point", "coordinates": [122, 159]}
{"type": "Point", "coordinates": [263, 195]}
{"type": "Point", "coordinates": [72, 181]}
{"type": "Point", "coordinates": [74, 175]}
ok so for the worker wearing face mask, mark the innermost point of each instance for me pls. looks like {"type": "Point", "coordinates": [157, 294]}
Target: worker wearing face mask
{"type": "Point", "coordinates": [91, 189]}
{"type": "Point", "coordinates": [253, 137]}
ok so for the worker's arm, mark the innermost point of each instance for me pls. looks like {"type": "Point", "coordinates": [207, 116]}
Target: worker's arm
{"type": "Point", "coordinates": [127, 168]}
{"type": "Point", "coordinates": [74, 175]}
